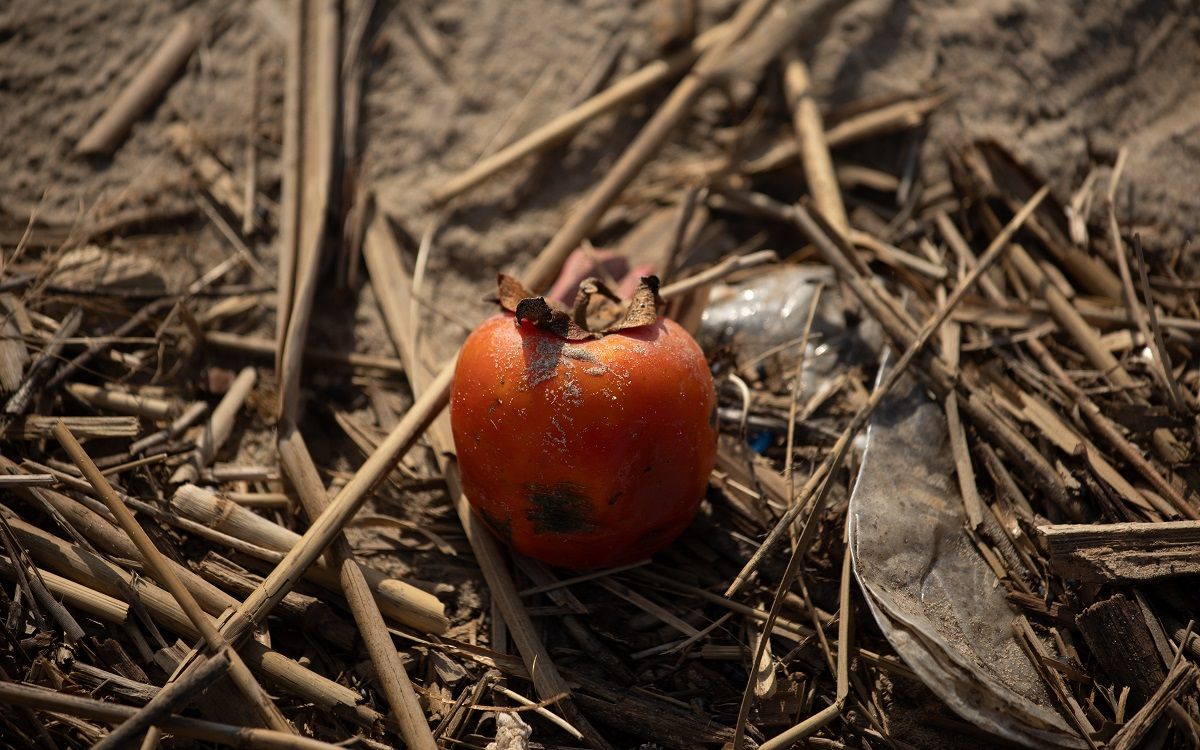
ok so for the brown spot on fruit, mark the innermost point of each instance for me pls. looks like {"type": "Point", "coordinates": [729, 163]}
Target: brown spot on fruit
{"type": "Point", "coordinates": [558, 509]}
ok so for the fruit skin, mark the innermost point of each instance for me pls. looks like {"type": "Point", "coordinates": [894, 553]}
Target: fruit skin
{"type": "Point", "coordinates": [588, 453]}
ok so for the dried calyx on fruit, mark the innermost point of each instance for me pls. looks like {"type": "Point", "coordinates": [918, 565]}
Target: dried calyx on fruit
{"type": "Point", "coordinates": [597, 310]}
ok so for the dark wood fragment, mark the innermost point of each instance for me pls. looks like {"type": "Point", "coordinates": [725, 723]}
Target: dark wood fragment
{"type": "Point", "coordinates": [1121, 552]}
{"type": "Point", "coordinates": [1117, 636]}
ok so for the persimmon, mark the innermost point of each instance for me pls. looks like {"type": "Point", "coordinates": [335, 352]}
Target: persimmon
{"type": "Point", "coordinates": [583, 448]}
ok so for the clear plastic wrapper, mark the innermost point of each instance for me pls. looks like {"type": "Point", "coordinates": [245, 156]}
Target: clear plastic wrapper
{"type": "Point", "coordinates": [766, 315]}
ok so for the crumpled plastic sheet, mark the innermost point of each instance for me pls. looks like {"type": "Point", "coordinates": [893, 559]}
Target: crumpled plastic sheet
{"type": "Point", "coordinates": [771, 309]}
{"type": "Point", "coordinates": [935, 598]}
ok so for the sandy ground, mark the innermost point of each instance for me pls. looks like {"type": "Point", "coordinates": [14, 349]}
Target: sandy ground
{"type": "Point", "coordinates": [1063, 85]}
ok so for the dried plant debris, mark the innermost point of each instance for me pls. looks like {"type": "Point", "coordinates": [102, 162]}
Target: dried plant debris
{"type": "Point", "coordinates": [597, 309]}
{"type": "Point", "coordinates": [1022, 523]}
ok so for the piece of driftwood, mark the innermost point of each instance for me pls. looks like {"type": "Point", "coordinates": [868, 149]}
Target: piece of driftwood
{"type": "Point", "coordinates": [1122, 552]}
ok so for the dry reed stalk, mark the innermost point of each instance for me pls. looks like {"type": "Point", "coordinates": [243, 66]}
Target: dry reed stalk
{"type": "Point", "coordinates": [323, 529]}
{"type": "Point", "coordinates": [199, 729]}
{"type": "Point", "coordinates": [319, 159]}
{"type": "Point", "coordinates": [817, 484]}
{"type": "Point", "coordinates": [620, 94]}
{"type": "Point", "coordinates": [250, 181]}
{"type": "Point", "coordinates": [219, 427]}
{"type": "Point", "coordinates": [186, 418]}
{"type": "Point", "coordinates": [37, 427]}
{"type": "Point", "coordinates": [649, 140]}
{"type": "Point", "coordinates": [144, 88]}
{"type": "Point", "coordinates": [18, 402]}
{"type": "Point", "coordinates": [389, 670]}
{"type": "Point", "coordinates": [274, 500]}
{"type": "Point", "coordinates": [123, 402]}
{"type": "Point", "coordinates": [393, 290]}
{"type": "Point", "coordinates": [171, 698]}
{"type": "Point", "coordinates": [213, 175]}
{"type": "Point", "coordinates": [291, 166]}
{"type": "Point", "coordinates": [88, 569]}
{"type": "Point", "coordinates": [162, 572]}
{"type": "Point", "coordinates": [12, 481]}
{"type": "Point", "coordinates": [963, 470]}
{"type": "Point", "coordinates": [1072, 321]}
{"type": "Point", "coordinates": [14, 355]}
{"type": "Point", "coordinates": [138, 319]}
{"type": "Point", "coordinates": [878, 121]}
{"type": "Point", "coordinates": [94, 603]}
{"type": "Point", "coordinates": [829, 713]}
{"type": "Point", "coordinates": [966, 257]}
{"type": "Point", "coordinates": [266, 348]}
{"type": "Point", "coordinates": [319, 112]}
{"type": "Point", "coordinates": [400, 601]}
{"type": "Point", "coordinates": [810, 142]}
{"type": "Point", "coordinates": [1107, 429]}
